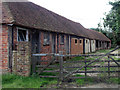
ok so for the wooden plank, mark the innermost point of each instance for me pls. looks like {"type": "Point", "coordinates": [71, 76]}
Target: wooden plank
{"type": "Point", "coordinates": [97, 71]}
{"type": "Point", "coordinates": [53, 71]}
{"type": "Point", "coordinates": [61, 67]}
{"type": "Point", "coordinates": [47, 61]}
{"type": "Point", "coordinates": [95, 77]}
{"type": "Point", "coordinates": [48, 76]}
{"type": "Point", "coordinates": [33, 64]}
{"type": "Point", "coordinates": [50, 66]}
{"type": "Point", "coordinates": [85, 68]}
{"type": "Point", "coordinates": [91, 66]}
{"type": "Point", "coordinates": [108, 67]}
{"type": "Point", "coordinates": [72, 55]}
{"type": "Point", "coordinates": [90, 61]}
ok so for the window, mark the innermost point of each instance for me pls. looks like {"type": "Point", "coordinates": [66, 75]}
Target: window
{"type": "Point", "coordinates": [75, 41]}
{"type": "Point", "coordinates": [22, 34]}
{"type": "Point", "coordinates": [80, 41]}
{"type": "Point", "coordinates": [93, 41]}
{"type": "Point", "coordinates": [86, 41]}
{"type": "Point", "coordinates": [46, 39]}
{"type": "Point", "coordinates": [62, 39]}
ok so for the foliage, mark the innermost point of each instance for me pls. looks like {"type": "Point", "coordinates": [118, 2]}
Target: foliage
{"type": "Point", "coordinates": [112, 22]}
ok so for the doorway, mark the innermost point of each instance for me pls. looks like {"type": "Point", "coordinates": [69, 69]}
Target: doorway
{"type": "Point", "coordinates": [53, 43]}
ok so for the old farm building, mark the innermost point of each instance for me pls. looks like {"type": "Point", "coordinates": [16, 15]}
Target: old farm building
{"type": "Point", "coordinates": [28, 28]}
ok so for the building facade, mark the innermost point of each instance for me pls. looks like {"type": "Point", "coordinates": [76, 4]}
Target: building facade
{"type": "Point", "coordinates": [23, 34]}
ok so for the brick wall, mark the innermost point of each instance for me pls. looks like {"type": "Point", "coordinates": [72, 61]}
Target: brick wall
{"type": "Point", "coordinates": [22, 59]}
{"type": "Point", "coordinates": [21, 55]}
{"type": "Point", "coordinates": [4, 48]}
{"type": "Point", "coordinates": [0, 49]}
{"type": "Point", "coordinates": [48, 48]}
{"type": "Point", "coordinates": [45, 48]}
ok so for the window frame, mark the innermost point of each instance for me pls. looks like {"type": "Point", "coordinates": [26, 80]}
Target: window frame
{"type": "Point", "coordinates": [27, 39]}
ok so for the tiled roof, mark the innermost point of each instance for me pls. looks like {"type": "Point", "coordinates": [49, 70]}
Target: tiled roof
{"type": "Point", "coordinates": [31, 15]}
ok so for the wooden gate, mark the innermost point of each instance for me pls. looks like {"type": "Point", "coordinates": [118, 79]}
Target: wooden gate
{"type": "Point", "coordinates": [62, 70]}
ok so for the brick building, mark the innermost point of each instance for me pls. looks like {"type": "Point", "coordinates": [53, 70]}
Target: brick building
{"type": "Point", "coordinates": [28, 28]}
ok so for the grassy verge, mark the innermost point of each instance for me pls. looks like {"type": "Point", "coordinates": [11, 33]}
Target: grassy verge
{"type": "Point", "coordinates": [15, 81]}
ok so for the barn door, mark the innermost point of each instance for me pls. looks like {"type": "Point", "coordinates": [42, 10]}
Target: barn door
{"type": "Point", "coordinates": [35, 49]}
{"type": "Point", "coordinates": [36, 42]}
{"type": "Point", "coordinates": [53, 43]}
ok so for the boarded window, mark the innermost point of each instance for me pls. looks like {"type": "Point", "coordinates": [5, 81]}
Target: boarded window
{"type": "Point", "coordinates": [22, 35]}
{"type": "Point", "coordinates": [62, 39]}
{"type": "Point", "coordinates": [46, 39]}
{"type": "Point", "coordinates": [75, 41]}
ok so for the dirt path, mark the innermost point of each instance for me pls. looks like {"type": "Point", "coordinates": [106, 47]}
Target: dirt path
{"type": "Point", "coordinates": [102, 85]}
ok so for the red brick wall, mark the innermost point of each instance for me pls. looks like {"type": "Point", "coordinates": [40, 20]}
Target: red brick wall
{"type": "Point", "coordinates": [4, 48]}
{"type": "Point", "coordinates": [48, 48]}
{"type": "Point", "coordinates": [76, 48]}
{"type": "Point", "coordinates": [45, 48]}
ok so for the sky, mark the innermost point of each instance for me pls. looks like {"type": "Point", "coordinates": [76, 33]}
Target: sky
{"type": "Point", "coordinates": [86, 12]}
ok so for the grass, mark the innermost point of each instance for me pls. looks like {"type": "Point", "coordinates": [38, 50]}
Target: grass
{"type": "Point", "coordinates": [83, 81]}
{"type": "Point", "coordinates": [114, 80]}
{"type": "Point", "coordinates": [15, 81]}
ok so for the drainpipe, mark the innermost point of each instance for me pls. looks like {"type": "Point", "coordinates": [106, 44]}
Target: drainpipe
{"type": "Point", "coordinates": [10, 45]}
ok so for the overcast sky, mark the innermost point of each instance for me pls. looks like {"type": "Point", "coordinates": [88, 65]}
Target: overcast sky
{"type": "Point", "coordinates": [87, 12]}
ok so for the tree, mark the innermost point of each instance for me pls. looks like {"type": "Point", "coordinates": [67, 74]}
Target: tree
{"type": "Point", "coordinates": [112, 22]}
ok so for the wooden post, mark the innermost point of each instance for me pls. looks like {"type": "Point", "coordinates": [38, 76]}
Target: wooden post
{"type": "Point", "coordinates": [61, 67]}
{"type": "Point", "coordinates": [108, 67]}
{"type": "Point", "coordinates": [85, 67]}
{"type": "Point", "coordinates": [33, 64]}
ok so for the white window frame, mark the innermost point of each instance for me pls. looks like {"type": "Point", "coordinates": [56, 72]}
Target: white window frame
{"type": "Point", "coordinates": [26, 34]}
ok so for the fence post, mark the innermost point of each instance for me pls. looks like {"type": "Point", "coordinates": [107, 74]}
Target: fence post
{"type": "Point", "coordinates": [85, 67]}
{"type": "Point", "coordinates": [33, 65]}
{"type": "Point", "coordinates": [108, 67]}
{"type": "Point", "coordinates": [61, 67]}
